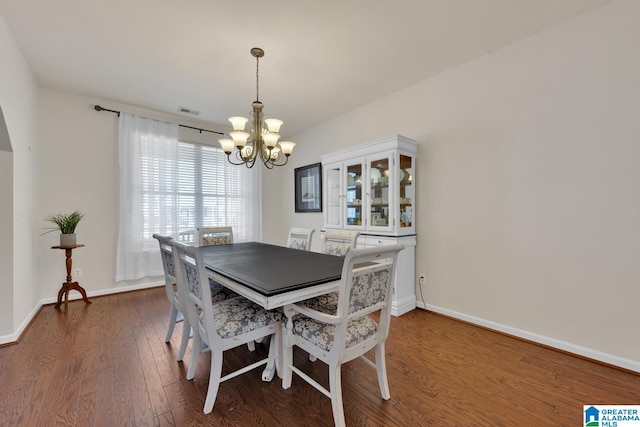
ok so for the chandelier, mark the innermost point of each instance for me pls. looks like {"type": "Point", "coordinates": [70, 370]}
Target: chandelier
{"type": "Point", "coordinates": [262, 142]}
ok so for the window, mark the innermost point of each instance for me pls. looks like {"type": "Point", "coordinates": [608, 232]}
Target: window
{"type": "Point", "coordinates": [206, 191]}
{"type": "Point", "coordinates": [171, 187]}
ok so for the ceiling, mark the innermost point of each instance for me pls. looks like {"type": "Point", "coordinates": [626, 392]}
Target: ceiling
{"type": "Point", "coordinates": [322, 58]}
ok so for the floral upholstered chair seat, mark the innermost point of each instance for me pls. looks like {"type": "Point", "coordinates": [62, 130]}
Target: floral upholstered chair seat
{"type": "Point", "coordinates": [322, 334]}
{"type": "Point", "coordinates": [237, 316]}
{"type": "Point", "coordinates": [220, 292]}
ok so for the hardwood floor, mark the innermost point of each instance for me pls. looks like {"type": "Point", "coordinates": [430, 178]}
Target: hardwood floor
{"type": "Point", "coordinates": [106, 364]}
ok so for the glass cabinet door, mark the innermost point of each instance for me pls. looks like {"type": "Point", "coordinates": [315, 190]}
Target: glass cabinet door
{"type": "Point", "coordinates": [333, 196]}
{"type": "Point", "coordinates": [353, 195]}
{"type": "Point", "coordinates": [406, 194]}
{"type": "Point", "coordinates": [380, 216]}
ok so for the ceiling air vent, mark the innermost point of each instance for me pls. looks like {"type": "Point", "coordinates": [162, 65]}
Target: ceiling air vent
{"type": "Point", "coordinates": [189, 111]}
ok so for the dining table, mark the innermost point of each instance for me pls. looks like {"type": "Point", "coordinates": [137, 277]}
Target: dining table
{"type": "Point", "coordinates": [272, 276]}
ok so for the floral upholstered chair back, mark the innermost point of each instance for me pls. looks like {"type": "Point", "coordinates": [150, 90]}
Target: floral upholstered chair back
{"type": "Point", "coordinates": [300, 238]}
{"type": "Point", "coordinates": [339, 242]}
{"type": "Point", "coordinates": [190, 288]}
{"type": "Point", "coordinates": [214, 236]}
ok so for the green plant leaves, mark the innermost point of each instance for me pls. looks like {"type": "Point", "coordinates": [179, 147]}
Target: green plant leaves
{"type": "Point", "coordinates": [66, 223]}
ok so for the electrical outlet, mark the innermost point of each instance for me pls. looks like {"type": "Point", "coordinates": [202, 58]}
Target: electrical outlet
{"type": "Point", "coordinates": [77, 272]}
{"type": "Point", "coordinates": [421, 279]}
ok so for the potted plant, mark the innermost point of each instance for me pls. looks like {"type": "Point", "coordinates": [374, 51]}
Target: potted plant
{"type": "Point", "coordinates": [67, 224]}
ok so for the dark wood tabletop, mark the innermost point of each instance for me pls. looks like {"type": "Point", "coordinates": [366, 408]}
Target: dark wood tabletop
{"type": "Point", "coordinates": [270, 269]}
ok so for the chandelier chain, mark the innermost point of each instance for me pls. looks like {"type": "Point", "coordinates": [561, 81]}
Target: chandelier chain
{"type": "Point", "coordinates": [257, 78]}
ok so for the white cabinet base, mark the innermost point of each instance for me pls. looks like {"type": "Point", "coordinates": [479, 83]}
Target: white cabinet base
{"type": "Point", "coordinates": [403, 299]}
{"type": "Point", "coordinates": [398, 308]}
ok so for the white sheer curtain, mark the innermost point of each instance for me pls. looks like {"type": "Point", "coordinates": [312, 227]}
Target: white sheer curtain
{"type": "Point", "coordinates": [172, 187]}
{"type": "Point", "coordinates": [139, 138]}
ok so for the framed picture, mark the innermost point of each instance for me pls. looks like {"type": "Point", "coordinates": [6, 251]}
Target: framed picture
{"type": "Point", "coordinates": [308, 188]}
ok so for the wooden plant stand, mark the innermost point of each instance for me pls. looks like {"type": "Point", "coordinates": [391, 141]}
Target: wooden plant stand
{"type": "Point", "coordinates": [69, 285]}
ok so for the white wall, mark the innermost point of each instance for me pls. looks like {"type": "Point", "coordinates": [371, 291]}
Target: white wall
{"type": "Point", "coordinates": [6, 227]}
{"type": "Point", "coordinates": [6, 241]}
{"type": "Point", "coordinates": [78, 171]}
{"type": "Point", "coordinates": [528, 206]}
{"type": "Point", "coordinates": [18, 96]}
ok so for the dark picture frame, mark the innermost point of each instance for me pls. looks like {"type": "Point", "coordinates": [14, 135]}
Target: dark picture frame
{"type": "Point", "coordinates": [308, 188]}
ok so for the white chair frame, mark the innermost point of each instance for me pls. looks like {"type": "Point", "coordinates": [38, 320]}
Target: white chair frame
{"type": "Point", "coordinates": [362, 268]}
{"type": "Point", "coordinates": [300, 238]}
{"type": "Point", "coordinates": [193, 286]}
{"type": "Point", "coordinates": [175, 311]}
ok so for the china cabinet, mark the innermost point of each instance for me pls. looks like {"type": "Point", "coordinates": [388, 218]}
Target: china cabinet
{"type": "Point", "coordinates": [370, 188]}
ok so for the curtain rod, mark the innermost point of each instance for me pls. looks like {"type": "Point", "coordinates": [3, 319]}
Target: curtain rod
{"type": "Point", "coordinates": [100, 108]}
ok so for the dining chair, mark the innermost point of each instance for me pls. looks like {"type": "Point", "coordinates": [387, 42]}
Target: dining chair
{"type": "Point", "coordinates": [300, 238]}
{"type": "Point", "coordinates": [216, 236]}
{"type": "Point", "coordinates": [338, 243]}
{"type": "Point", "coordinates": [224, 325]}
{"type": "Point", "coordinates": [366, 285]}
{"type": "Point", "coordinates": [175, 313]}
{"type": "Point", "coordinates": [212, 236]}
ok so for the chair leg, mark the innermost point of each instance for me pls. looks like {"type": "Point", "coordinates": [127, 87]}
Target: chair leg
{"type": "Point", "coordinates": [251, 345]}
{"type": "Point", "coordinates": [195, 354]}
{"type": "Point", "coordinates": [186, 334]}
{"type": "Point", "coordinates": [173, 313]}
{"type": "Point", "coordinates": [335, 386]}
{"type": "Point", "coordinates": [381, 367]}
{"type": "Point", "coordinates": [214, 380]}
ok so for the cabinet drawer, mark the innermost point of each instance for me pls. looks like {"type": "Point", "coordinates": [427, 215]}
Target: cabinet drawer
{"type": "Point", "coordinates": [369, 241]}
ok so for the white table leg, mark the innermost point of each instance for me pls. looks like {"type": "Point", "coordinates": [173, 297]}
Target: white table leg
{"type": "Point", "coordinates": [274, 350]}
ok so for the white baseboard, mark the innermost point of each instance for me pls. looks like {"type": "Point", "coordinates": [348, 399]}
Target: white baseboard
{"type": "Point", "coordinates": [76, 295]}
{"type": "Point", "coordinates": [12, 338]}
{"type": "Point", "coordinates": [632, 365]}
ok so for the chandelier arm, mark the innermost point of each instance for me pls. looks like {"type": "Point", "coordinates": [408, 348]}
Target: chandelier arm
{"type": "Point", "coordinates": [273, 162]}
{"type": "Point", "coordinates": [248, 163]}
{"type": "Point", "coordinates": [268, 165]}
